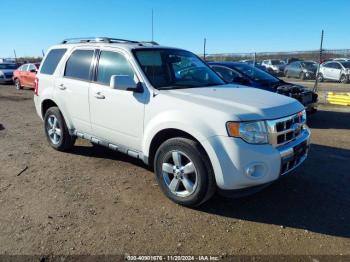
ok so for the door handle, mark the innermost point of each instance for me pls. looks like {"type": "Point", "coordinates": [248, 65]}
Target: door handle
{"type": "Point", "coordinates": [62, 87]}
{"type": "Point", "coordinates": [99, 95]}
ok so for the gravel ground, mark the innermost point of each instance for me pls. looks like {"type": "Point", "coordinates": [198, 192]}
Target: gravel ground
{"type": "Point", "coordinates": [94, 201]}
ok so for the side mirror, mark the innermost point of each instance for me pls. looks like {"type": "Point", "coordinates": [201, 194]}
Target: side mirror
{"type": "Point", "coordinates": [33, 71]}
{"type": "Point", "coordinates": [126, 83]}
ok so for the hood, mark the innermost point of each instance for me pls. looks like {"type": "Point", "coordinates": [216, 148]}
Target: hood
{"type": "Point", "coordinates": [7, 70]}
{"type": "Point", "coordinates": [239, 102]}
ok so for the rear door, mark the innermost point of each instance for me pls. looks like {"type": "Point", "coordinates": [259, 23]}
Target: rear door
{"type": "Point", "coordinates": [72, 87]}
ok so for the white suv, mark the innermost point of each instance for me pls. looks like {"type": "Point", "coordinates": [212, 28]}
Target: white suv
{"type": "Point", "coordinates": [335, 70]}
{"type": "Point", "coordinates": [166, 107]}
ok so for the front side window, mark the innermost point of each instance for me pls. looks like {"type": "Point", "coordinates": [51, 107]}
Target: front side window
{"type": "Point", "coordinates": [112, 63]}
{"type": "Point", "coordinates": [255, 73]}
{"type": "Point", "coordinates": [78, 64]}
{"type": "Point", "coordinates": [173, 68]}
{"type": "Point", "coordinates": [51, 61]}
{"type": "Point", "coordinates": [346, 64]}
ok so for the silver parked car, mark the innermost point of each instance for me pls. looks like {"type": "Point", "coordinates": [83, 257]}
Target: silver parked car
{"type": "Point", "coordinates": [335, 70]}
{"type": "Point", "coordinates": [6, 72]}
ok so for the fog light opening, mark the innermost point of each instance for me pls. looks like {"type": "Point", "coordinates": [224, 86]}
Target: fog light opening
{"type": "Point", "coordinates": [255, 171]}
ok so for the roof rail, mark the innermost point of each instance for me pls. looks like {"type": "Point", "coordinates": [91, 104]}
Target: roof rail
{"type": "Point", "coordinates": [104, 40]}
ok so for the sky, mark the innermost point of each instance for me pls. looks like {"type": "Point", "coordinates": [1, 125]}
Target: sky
{"type": "Point", "coordinates": [230, 26]}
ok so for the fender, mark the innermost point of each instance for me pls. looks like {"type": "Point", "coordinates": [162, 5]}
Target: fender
{"type": "Point", "coordinates": [200, 131]}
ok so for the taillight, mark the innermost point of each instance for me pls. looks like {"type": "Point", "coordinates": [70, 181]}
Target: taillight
{"type": "Point", "coordinates": [36, 86]}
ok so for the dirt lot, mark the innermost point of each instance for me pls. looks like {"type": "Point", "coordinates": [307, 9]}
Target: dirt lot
{"type": "Point", "coordinates": [94, 201]}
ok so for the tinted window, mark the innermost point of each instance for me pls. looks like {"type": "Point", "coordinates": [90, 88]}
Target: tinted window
{"type": "Point", "coordinates": [172, 68]}
{"type": "Point", "coordinates": [31, 67]}
{"type": "Point", "coordinates": [346, 64]}
{"type": "Point", "coordinates": [24, 67]}
{"type": "Point", "coordinates": [78, 64]}
{"type": "Point", "coordinates": [8, 66]}
{"type": "Point", "coordinates": [227, 74]}
{"type": "Point", "coordinates": [112, 63]}
{"type": "Point", "coordinates": [337, 66]}
{"type": "Point", "coordinates": [51, 61]}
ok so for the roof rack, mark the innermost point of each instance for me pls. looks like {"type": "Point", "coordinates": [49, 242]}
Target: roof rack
{"type": "Point", "coordinates": [105, 40]}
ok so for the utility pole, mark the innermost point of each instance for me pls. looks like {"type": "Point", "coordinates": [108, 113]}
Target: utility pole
{"type": "Point", "coordinates": [204, 47]}
{"type": "Point", "coordinates": [320, 61]}
{"type": "Point", "coordinates": [152, 27]}
{"type": "Point", "coordinates": [14, 51]}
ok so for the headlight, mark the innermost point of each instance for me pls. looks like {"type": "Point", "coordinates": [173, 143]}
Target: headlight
{"type": "Point", "coordinates": [254, 132]}
{"type": "Point", "coordinates": [2, 75]}
{"type": "Point", "coordinates": [303, 115]}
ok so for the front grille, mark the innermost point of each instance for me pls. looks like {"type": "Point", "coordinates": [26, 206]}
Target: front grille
{"type": "Point", "coordinates": [284, 130]}
{"type": "Point", "coordinates": [8, 75]}
{"type": "Point", "coordinates": [299, 155]}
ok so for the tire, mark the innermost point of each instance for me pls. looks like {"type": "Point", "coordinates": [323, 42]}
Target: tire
{"type": "Point", "coordinates": [18, 84]}
{"type": "Point", "coordinates": [56, 130]}
{"type": "Point", "coordinates": [343, 79]}
{"type": "Point", "coordinates": [175, 154]}
{"type": "Point", "coordinates": [302, 76]}
{"type": "Point", "coordinates": [320, 77]}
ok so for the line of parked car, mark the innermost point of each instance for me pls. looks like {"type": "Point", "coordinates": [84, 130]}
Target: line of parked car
{"type": "Point", "coordinates": [337, 69]}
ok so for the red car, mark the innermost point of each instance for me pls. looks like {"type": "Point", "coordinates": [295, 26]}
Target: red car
{"type": "Point", "coordinates": [24, 76]}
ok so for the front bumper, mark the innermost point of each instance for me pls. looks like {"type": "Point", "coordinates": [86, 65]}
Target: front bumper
{"type": "Point", "coordinates": [231, 157]}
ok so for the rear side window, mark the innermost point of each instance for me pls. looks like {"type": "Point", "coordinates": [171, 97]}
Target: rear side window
{"type": "Point", "coordinates": [112, 63]}
{"type": "Point", "coordinates": [51, 61]}
{"type": "Point", "coordinates": [79, 64]}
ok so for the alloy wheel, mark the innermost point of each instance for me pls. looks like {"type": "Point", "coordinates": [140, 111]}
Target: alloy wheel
{"type": "Point", "coordinates": [179, 173]}
{"type": "Point", "coordinates": [54, 130]}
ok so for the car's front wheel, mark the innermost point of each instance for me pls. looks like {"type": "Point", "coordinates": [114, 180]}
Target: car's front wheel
{"type": "Point", "coordinates": [56, 130]}
{"type": "Point", "coordinates": [184, 172]}
{"type": "Point", "coordinates": [18, 84]}
{"type": "Point", "coordinates": [343, 79]}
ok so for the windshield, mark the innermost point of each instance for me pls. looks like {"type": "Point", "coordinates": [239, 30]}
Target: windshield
{"type": "Point", "coordinates": [277, 62]}
{"type": "Point", "coordinates": [346, 64]}
{"type": "Point", "coordinates": [255, 73]}
{"type": "Point", "coordinates": [8, 66]}
{"type": "Point", "coordinates": [309, 65]}
{"type": "Point", "coordinates": [172, 68]}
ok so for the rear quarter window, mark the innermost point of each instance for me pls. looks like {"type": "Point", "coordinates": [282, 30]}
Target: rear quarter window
{"type": "Point", "coordinates": [51, 61]}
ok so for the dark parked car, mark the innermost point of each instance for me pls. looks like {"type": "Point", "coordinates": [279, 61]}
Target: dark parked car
{"type": "Point", "coordinates": [301, 69]}
{"type": "Point", "coordinates": [6, 72]}
{"type": "Point", "coordinates": [244, 74]}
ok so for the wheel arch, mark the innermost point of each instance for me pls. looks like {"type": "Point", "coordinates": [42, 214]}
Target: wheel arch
{"type": "Point", "coordinates": [164, 134]}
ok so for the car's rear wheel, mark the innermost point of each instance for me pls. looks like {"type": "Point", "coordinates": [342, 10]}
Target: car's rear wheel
{"type": "Point", "coordinates": [343, 79]}
{"type": "Point", "coordinates": [18, 84]}
{"type": "Point", "coordinates": [56, 130]}
{"type": "Point", "coordinates": [183, 172]}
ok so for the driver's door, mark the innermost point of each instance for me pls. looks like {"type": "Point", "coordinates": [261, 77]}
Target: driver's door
{"type": "Point", "coordinates": [116, 115]}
